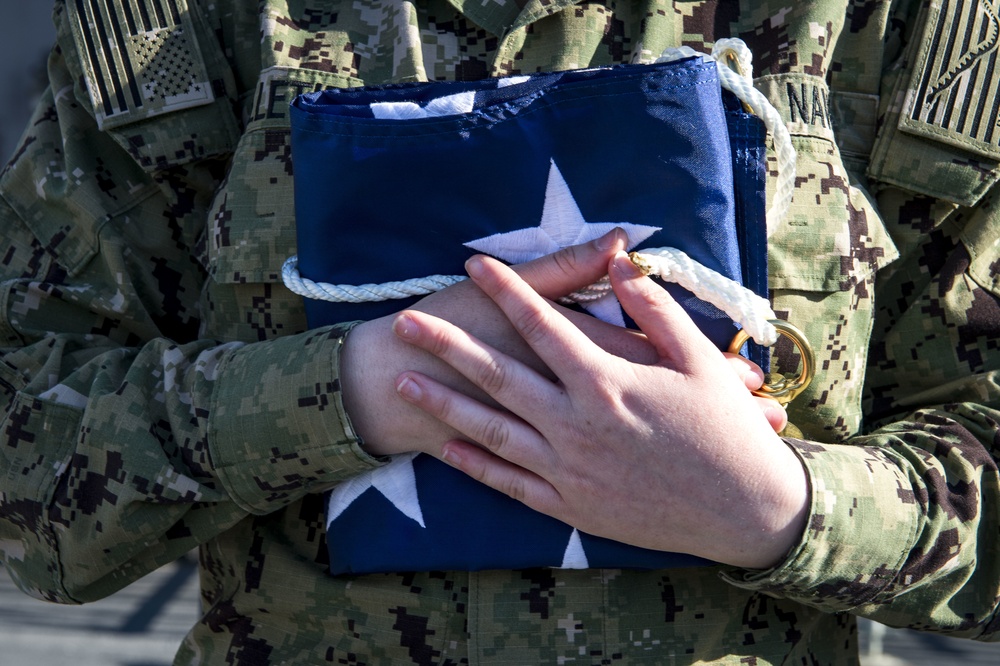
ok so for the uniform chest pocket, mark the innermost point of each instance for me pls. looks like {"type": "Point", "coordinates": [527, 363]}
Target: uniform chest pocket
{"type": "Point", "coordinates": [940, 136]}
{"type": "Point", "coordinates": [822, 262]}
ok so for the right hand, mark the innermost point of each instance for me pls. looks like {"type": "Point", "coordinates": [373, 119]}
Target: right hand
{"type": "Point", "coordinates": [672, 455]}
{"type": "Point", "coordinates": [373, 356]}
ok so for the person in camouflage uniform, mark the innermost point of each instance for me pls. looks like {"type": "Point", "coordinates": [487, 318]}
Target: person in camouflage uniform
{"type": "Point", "coordinates": [162, 392]}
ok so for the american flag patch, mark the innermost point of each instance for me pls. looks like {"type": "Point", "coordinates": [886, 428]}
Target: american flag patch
{"type": "Point", "coordinates": [141, 58]}
{"type": "Point", "coordinates": [954, 96]}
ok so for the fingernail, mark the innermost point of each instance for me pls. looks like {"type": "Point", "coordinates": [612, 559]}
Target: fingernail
{"type": "Point", "coordinates": [608, 240]}
{"type": "Point", "coordinates": [775, 414]}
{"type": "Point", "coordinates": [624, 265]}
{"type": "Point", "coordinates": [452, 458]}
{"type": "Point", "coordinates": [404, 327]}
{"type": "Point", "coordinates": [474, 266]}
{"type": "Point", "coordinates": [749, 378]}
{"type": "Point", "coordinates": [408, 389]}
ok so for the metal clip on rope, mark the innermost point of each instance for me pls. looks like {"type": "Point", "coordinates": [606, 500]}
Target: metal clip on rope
{"type": "Point", "coordinates": [753, 313]}
{"type": "Point", "coordinates": [783, 388]}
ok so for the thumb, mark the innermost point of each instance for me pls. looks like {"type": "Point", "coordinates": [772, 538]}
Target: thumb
{"type": "Point", "coordinates": [573, 267]}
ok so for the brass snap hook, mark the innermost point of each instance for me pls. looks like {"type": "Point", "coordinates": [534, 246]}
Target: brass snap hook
{"type": "Point", "coordinates": [783, 388]}
{"type": "Point", "coordinates": [733, 62]}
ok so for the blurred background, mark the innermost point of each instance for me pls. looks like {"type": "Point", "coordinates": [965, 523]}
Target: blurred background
{"type": "Point", "coordinates": [143, 624]}
{"type": "Point", "coordinates": [26, 34]}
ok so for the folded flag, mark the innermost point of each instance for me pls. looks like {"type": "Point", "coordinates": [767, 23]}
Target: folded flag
{"type": "Point", "coordinates": [405, 181]}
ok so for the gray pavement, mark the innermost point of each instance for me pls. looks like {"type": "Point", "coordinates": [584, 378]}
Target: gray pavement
{"type": "Point", "coordinates": [143, 624]}
{"type": "Point", "coordinates": [140, 626]}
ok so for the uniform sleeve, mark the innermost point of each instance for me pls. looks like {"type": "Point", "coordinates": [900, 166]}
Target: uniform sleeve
{"type": "Point", "coordinates": [127, 439]}
{"type": "Point", "coordinates": [904, 524]}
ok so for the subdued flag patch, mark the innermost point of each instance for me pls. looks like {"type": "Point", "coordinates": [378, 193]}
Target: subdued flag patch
{"type": "Point", "coordinates": [954, 95]}
{"type": "Point", "coordinates": [141, 58]}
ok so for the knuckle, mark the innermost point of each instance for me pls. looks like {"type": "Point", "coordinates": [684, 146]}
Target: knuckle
{"type": "Point", "coordinates": [439, 343]}
{"type": "Point", "coordinates": [441, 407]}
{"type": "Point", "coordinates": [495, 434]}
{"type": "Point", "coordinates": [565, 260]}
{"type": "Point", "coordinates": [609, 395]}
{"type": "Point", "coordinates": [513, 487]}
{"type": "Point", "coordinates": [493, 376]}
{"type": "Point", "coordinates": [502, 481]}
{"type": "Point", "coordinates": [531, 324]}
{"type": "Point", "coordinates": [655, 298]}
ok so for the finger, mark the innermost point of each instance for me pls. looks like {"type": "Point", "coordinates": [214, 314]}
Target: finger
{"type": "Point", "coordinates": [500, 432]}
{"type": "Point", "coordinates": [508, 381]}
{"type": "Point", "coordinates": [747, 370]}
{"type": "Point", "coordinates": [564, 348]}
{"type": "Point", "coordinates": [573, 267]}
{"type": "Point", "coordinates": [503, 476]}
{"type": "Point", "coordinates": [753, 379]}
{"type": "Point", "coordinates": [775, 414]}
{"type": "Point", "coordinates": [665, 323]}
{"type": "Point", "coordinates": [626, 343]}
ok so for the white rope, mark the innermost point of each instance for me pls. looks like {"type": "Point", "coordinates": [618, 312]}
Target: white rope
{"type": "Point", "coordinates": [742, 305]}
{"type": "Point", "coordinates": [746, 308]}
{"type": "Point", "coordinates": [361, 293]}
{"type": "Point", "coordinates": [741, 85]}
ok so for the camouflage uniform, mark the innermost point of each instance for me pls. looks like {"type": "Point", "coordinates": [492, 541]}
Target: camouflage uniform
{"type": "Point", "coordinates": [161, 391]}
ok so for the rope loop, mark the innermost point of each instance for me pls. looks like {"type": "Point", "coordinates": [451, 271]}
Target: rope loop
{"type": "Point", "coordinates": [742, 305]}
{"type": "Point", "coordinates": [361, 293]}
{"type": "Point", "coordinates": [750, 311]}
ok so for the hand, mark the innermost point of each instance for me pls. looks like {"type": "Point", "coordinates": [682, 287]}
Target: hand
{"type": "Point", "coordinates": [672, 455]}
{"type": "Point", "coordinates": [372, 357]}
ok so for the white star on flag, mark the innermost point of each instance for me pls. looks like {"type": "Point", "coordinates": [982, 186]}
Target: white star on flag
{"type": "Point", "coordinates": [575, 557]}
{"type": "Point", "coordinates": [562, 225]}
{"type": "Point", "coordinates": [396, 481]}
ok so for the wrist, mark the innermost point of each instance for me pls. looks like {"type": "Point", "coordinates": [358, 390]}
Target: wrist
{"type": "Point", "coordinates": [354, 381]}
{"type": "Point", "coordinates": [780, 510]}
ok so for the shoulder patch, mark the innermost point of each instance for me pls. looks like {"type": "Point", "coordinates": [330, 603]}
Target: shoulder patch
{"type": "Point", "coordinates": [954, 95]}
{"type": "Point", "coordinates": [141, 58]}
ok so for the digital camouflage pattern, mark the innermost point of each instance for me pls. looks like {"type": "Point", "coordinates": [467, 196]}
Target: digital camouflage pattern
{"type": "Point", "coordinates": [161, 392]}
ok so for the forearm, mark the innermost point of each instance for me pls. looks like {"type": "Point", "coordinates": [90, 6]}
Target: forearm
{"type": "Point", "coordinates": [901, 527]}
{"type": "Point", "coordinates": [125, 439]}
{"type": "Point", "coordinates": [136, 456]}
{"type": "Point", "coordinates": [278, 429]}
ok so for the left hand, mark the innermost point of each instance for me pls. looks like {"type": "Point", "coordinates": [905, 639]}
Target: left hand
{"type": "Point", "coordinates": [672, 455]}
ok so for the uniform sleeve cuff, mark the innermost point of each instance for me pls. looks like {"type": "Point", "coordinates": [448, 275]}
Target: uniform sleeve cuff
{"type": "Point", "coordinates": [863, 521]}
{"type": "Point", "coordinates": [278, 429]}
